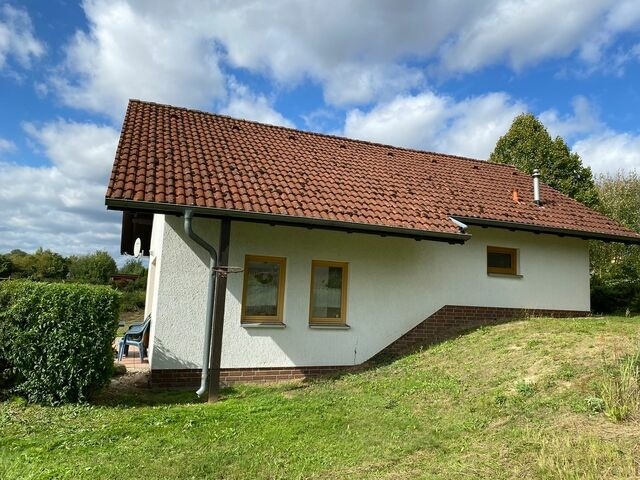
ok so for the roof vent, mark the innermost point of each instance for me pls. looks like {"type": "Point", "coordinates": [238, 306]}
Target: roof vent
{"type": "Point", "coordinates": [536, 187]}
{"type": "Point", "coordinates": [462, 228]}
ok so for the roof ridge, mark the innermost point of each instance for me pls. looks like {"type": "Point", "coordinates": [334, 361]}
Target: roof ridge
{"type": "Point", "coordinates": [325, 135]}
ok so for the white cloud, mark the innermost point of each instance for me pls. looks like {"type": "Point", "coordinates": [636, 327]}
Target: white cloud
{"type": "Point", "coordinates": [247, 105]}
{"type": "Point", "coordinates": [77, 150]}
{"type": "Point", "coordinates": [128, 53]}
{"type": "Point", "coordinates": [521, 33]}
{"type": "Point", "coordinates": [428, 121]}
{"type": "Point", "coordinates": [17, 39]}
{"type": "Point", "coordinates": [599, 146]}
{"type": "Point", "coordinates": [358, 84]}
{"type": "Point", "coordinates": [362, 44]}
{"type": "Point", "coordinates": [7, 146]}
{"type": "Point", "coordinates": [359, 52]}
{"type": "Point", "coordinates": [584, 119]}
{"type": "Point", "coordinates": [623, 16]}
{"type": "Point", "coordinates": [610, 151]}
{"type": "Point", "coordinates": [290, 39]}
{"type": "Point", "coordinates": [61, 205]}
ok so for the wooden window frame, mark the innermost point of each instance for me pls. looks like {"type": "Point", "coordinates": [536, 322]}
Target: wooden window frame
{"type": "Point", "coordinates": [279, 317]}
{"type": "Point", "coordinates": [343, 300]}
{"type": "Point", "coordinates": [512, 252]}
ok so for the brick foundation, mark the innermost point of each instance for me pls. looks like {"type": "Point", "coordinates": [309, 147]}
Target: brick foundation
{"type": "Point", "coordinates": [448, 322]}
{"type": "Point", "coordinates": [190, 378]}
{"type": "Point", "coordinates": [452, 320]}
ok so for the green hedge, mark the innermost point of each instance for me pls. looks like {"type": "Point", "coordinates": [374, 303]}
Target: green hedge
{"type": "Point", "coordinates": [56, 339]}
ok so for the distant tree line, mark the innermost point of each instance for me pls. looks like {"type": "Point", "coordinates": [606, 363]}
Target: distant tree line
{"type": "Point", "coordinates": [95, 268]}
{"type": "Point", "coordinates": [615, 267]}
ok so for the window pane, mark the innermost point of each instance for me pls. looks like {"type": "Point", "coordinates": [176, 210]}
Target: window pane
{"type": "Point", "coordinates": [499, 260]}
{"type": "Point", "coordinates": [327, 292]}
{"type": "Point", "coordinates": [262, 289]}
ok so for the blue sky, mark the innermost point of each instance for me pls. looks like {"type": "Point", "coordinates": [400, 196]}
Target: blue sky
{"type": "Point", "coordinates": [447, 76]}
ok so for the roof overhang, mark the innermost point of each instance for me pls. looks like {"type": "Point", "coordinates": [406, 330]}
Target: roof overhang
{"type": "Point", "coordinates": [286, 220]}
{"type": "Point", "coordinates": [563, 232]}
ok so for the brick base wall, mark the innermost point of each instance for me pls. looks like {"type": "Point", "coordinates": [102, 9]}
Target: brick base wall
{"type": "Point", "coordinates": [448, 322]}
{"type": "Point", "coordinates": [190, 378]}
{"type": "Point", "coordinates": [452, 320]}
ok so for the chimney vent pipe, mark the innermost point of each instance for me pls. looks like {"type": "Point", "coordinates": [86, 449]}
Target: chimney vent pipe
{"type": "Point", "coordinates": [536, 187]}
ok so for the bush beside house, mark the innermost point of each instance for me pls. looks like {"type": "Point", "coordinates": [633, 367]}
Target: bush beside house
{"type": "Point", "coordinates": [56, 339]}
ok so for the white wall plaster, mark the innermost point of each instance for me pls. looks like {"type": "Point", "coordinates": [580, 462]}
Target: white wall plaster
{"type": "Point", "coordinates": [394, 284]}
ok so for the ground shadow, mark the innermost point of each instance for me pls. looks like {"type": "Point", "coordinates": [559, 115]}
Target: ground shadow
{"type": "Point", "coordinates": [133, 390]}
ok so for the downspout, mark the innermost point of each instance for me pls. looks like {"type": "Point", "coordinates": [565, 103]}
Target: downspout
{"type": "Point", "coordinates": [213, 263]}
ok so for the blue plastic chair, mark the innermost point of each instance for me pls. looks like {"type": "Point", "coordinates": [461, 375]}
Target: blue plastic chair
{"type": "Point", "coordinates": [136, 336]}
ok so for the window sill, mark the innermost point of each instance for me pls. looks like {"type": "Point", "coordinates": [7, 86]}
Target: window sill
{"type": "Point", "coordinates": [504, 275]}
{"type": "Point", "coordinates": [262, 325]}
{"type": "Point", "coordinates": [329, 326]}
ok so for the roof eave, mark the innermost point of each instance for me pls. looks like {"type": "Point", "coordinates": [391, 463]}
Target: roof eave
{"type": "Point", "coordinates": [483, 222]}
{"type": "Point", "coordinates": [286, 220]}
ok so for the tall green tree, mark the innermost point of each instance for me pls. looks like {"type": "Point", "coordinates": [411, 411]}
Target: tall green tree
{"type": "Point", "coordinates": [49, 265]}
{"type": "Point", "coordinates": [133, 266]}
{"type": "Point", "coordinates": [22, 264]}
{"type": "Point", "coordinates": [527, 146]}
{"type": "Point", "coordinates": [96, 267]}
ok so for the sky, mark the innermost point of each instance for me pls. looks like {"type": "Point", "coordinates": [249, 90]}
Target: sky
{"type": "Point", "coordinates": [442, 75]}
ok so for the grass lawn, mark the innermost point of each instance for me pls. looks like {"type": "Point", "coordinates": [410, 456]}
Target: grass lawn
{"type": "Point", "coordinates": [129, 318]}
{"type": "Point", "coordinates": [511, 401]}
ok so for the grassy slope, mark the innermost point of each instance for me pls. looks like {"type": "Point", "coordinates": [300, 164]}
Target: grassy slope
{"type": "Point", "coordinates": [502, 402]}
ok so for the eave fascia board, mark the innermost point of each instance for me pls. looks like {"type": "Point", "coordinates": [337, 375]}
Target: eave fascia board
{"type": "Point", "coordinates": [286, 220]}
{"type": "Point", "coordinates": [525, 227]}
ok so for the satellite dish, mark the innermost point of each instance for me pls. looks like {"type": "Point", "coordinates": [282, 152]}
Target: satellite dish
{"type": "Point", "coordinates": [137, 248]}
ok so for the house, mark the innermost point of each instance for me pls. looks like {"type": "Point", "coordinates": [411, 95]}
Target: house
{"type": "Point", "coordinates": [347, 248]}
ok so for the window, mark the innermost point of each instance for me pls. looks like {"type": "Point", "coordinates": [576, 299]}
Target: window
{"type": "Point", "coordinates": [502, 260]}
{"type": "Point", "coordinates": [263, 292]}
{"type": "Point", "coordinates": [328, 293]}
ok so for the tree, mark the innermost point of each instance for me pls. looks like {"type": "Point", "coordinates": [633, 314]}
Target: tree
{"type": "Point", "coordinates": [133, 266]}
{"type": "Point", "coordinates": [527, 146]}
{"type": "Point", "coordinates": [616, 267]}
{"type": "Point", "coordinates": [6, 267]}
{"type": "Point", "coordinates": [93, 268]}
{"type": "Point", "coordinates": [22, 264]}
{"type": "Point", "coordinates": [41, 265]}
{"type": "Point", "coordinates": [48, 265]}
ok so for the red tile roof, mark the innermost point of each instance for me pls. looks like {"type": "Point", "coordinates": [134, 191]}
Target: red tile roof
{"type": "Point", "coordinates": [169, 158]}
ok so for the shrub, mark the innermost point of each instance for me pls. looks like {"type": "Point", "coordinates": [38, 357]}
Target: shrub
{"type": "Point", "coordinates": [57, 338]}
{"type": "Point", "coordinates": [614, 295]}
{"type": "Point", "coordinates": [133, 301]}
{"type": "Point", "coordinates": [620, 390]}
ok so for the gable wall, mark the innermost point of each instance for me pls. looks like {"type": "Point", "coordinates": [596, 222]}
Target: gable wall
{"type": "Point", "coordinates": [394, 284]}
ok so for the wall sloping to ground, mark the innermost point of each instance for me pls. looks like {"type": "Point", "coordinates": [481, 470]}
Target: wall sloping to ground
{"type": "Point", "coordinates": [394, 284]}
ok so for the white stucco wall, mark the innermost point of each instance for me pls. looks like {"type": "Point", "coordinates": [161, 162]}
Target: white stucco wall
{"type": "Point", "coordinates": [394, 284]}
{"type": "Point", "coordinates": [153, 277]}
